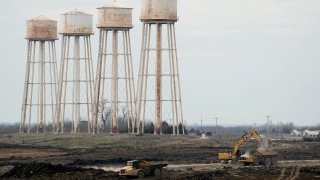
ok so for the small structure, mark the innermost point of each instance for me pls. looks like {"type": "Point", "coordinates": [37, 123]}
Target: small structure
{"type": "Point", "coordinates": [296, 133]}
{"type": "Point", "coordinates": [310, 134]}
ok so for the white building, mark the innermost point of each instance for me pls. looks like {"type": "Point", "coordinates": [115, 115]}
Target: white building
{"type": "Point", "coordinates": [311, 134]}
{"type": "Point", "coordinates": [296, 133]}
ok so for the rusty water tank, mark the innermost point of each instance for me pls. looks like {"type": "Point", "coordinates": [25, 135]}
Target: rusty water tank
{"type": "Point", "coordinates": [42, 28]}
{"type": "Point", "coordinates": [76, 23]}
{"type": "Point", "coordinates": [114, 15]}
{"type": "Point", "coordinates": [158, 10]}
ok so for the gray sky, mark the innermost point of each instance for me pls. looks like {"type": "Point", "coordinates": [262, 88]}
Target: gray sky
{"type": "Point", "coordinates": [239, 59]}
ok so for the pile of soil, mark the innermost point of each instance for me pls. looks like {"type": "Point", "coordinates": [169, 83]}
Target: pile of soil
{"type": "Point", "coordinates": [36, 170]}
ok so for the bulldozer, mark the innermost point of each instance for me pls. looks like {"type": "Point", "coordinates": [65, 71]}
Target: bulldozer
{"type": "Point", "coordinates": [254, 157]}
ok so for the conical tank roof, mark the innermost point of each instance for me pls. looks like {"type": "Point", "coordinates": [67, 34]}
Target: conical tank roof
{"type": "Point", "coordinates": [41, 18]}
{"type": "Point", "coordinates": [76, 12]}
{"type": "Point", "coordinates": [115, 4]}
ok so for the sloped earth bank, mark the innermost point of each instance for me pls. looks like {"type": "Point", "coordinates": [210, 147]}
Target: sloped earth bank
{"type": "Point", "coordinates": [68, 154]}
{"type": "Point", "coordinates": [45, 171]}
{"type": "Point", "coordinates": [48, 171]}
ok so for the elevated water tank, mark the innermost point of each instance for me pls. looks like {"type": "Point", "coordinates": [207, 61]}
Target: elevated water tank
{"type": "Point", "coordinates": [114, 15]}
{"type": "Point", "coordinates": [76, 23]}
{"type": "Point", "coordinates": [159, 10]}
{"type": "Point", "coordinates": [42, 28]}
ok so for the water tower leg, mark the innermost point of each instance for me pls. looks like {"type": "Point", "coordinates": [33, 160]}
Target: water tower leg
{"type": "Point", "coordinates": [97, 88]}
{"type": "Point", "coordinates": [30, 99]}
{"type": "Point", "coordinates": [103, 64]}
{"type": "Point", "coordinates": [126, 78]}
{"type": "Point", "coordinates": [76, 88]}
{"type": "Point", "coordinates": [41, 87]}
{"type": "Point", "coordinates": [114, 90]}
{"type": "Point", "coordinates": [139, 93]}
{"type": "Point", "coordinates": [146, 75]}
{"type": "Point", "coordinates": [178, 78]}
{"type": "Point", "coordinates": [54, 84]}
{"type": "Point", "coordinates": [173, 110]}
{"type": "Point", "coordinates": [26, 90]}
{"type": "Point", "coordinates": [61, 92]}
{"type": "Point", "coordinates": [65, 82]}
{"type": "Point", "coordinates": [159, 81]}
{"type": "Point", "coordinates": [91, 77]}
{"type": "Point", "coordinates": [174, 76]}
{"type": "Point", "coordinates": [130, 82]}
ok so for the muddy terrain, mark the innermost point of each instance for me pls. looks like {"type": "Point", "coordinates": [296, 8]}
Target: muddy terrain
{"type": "Point", "coordinates": [85, 156]}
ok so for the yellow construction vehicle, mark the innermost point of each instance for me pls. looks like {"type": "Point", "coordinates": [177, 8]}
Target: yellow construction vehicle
{"type": "Point", "coordinates": [254, 157]}
{"type": "Point", "coordinates": [140, 169]}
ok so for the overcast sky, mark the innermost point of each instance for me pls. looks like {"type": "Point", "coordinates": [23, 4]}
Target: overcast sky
{"type": "Point", "coordinates": [239, 59]}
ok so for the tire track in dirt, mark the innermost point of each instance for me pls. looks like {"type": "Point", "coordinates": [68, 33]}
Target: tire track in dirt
{"type": "Point", "coordinates": [283, 171]}
{"type": "Point", "coordinates": [296, 174]}
{"type": "Point", "coordinates": [291, 174]}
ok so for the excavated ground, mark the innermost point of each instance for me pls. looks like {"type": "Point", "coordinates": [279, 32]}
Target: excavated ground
{"type": "Point", "coordinates": [68, 155]}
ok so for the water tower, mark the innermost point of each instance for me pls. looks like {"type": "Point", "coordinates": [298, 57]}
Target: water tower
{"type": "Point", "coordinates": [158, 92]}
{"type": "Point", "coordinates": [76, 80]}
{"type": "Point", "coordinates": [39, 101]}
{"type": "Point", "coordinates": [114, 80]}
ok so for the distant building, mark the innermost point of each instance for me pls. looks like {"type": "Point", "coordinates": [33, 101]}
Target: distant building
{"type": "Point", "coordinates": [311, 134]}
{"type": "Point", "coordinates": [296, 133]}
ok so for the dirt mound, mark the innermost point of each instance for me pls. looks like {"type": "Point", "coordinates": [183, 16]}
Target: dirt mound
{"type": "Point", "coordinates": [36, 170]}
{"type": "Point", "coordinates": [106, 161]}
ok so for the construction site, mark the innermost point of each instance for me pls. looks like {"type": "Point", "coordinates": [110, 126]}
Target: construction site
{"type": "Point", "coordinates": [188, 157]}
{"type": "Point", "coordinates": [101, 102]}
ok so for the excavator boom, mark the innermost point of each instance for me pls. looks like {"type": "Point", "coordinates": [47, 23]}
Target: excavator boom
{"type": "Point", "coordinates": [255, 157]}
{"type": "Point", "coordinates": [241, 140]}
{"type": "Point", "coordinates": [226, 156]}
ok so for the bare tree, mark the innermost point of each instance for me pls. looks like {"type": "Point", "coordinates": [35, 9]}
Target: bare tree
{"type": "Point", "coordinates": [106, 114]}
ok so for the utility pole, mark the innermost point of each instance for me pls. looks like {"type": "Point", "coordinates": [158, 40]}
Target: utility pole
{"type": "Point", "coordinates": [201, 123]}
{"type": "Point", "coordinates": [216, 118]}
{"type": "Point", "coordinates": [268, 121]}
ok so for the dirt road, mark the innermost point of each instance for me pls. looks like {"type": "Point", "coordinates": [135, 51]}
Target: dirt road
{"type": "Point", "coordinates": [215, 166]}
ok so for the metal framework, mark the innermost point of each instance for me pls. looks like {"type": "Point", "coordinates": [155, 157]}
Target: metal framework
{"type": "Point", "coordinates": [164, 76]}
{"type": "Point", "coordinates": [39, 101]}
{"type": "Point", "coordinates": [114, 80]}
{"type": "Point", "coordinates": [76, 82]}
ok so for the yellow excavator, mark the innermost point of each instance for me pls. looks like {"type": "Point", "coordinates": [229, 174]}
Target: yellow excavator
{"type": "Point", "coordinates": [254, 157]}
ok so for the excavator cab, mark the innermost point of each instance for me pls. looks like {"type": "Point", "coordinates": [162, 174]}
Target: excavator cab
{"type": "Point", "coordinates": [253, 157]}
{"type": "Point", "coordinates": [228, 157]}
